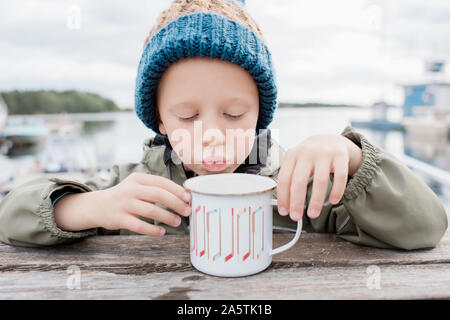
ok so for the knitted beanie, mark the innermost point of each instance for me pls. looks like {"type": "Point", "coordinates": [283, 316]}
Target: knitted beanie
{"type": "Point", "coordinates": [219, 29]}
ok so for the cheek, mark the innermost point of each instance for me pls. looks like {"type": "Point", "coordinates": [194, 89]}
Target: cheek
{"type": "Point", "coordinates": [247, 123]}
{"type": "Point", "coordinates": [182, 143]}
{"type": "Point", "coordinates": [252, 120]}
{"type": "Point", "coordinates": [183, 150]}
{"type": "Point", "coordinates": [241, 146]}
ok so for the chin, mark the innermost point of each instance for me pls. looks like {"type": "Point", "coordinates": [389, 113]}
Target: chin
{"type": "Point", "coordinates": [206, 172]}
{"type": "Point", "coordinates": [203, 172]}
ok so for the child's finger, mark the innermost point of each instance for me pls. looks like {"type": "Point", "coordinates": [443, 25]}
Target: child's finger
{"type": "Point", "coordinates": [162, 182]}
{"type": "Point", "coordinates": [152, 211]}
{"type": "Point", "coordinates": [137, 225]}
{"type": "Point", "coordinates": [284, 182]}
{"type": "Point", "coordinates": [164, 197]}
{"type": "Point", "coordinates": [340, 177]}
{"type": "Point", "coordinates": [320, 186]}
{"type": "Point", "coordinates": [298, 189]}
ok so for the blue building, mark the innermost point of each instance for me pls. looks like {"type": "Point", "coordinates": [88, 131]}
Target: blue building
{"type": "Point", "coordinates": [420, 97]}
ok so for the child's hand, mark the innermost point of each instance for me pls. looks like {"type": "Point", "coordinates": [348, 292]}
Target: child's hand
{"type": "Point", "coordinates": [316, 156]}
{"type": "Point", "coordinates": [123, 204]}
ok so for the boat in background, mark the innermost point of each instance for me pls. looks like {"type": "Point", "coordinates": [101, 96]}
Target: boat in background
{"type": "Point", "coordinates": [3, 113]}
{"type": "Point", "coordinates": [63, 126]}
{"type": "Point", "coordinates": [427, 109]}
{"type": "Point", "coordinates": [379, 119]}
{"type": "Point", "coordinates": [24, 138]}
{"type": "Point", "coordinates": [20, 135]}
{"type": "Point", "coordinates": [430, 124]}
{"type": "Point", "coordinates": [4, 145]}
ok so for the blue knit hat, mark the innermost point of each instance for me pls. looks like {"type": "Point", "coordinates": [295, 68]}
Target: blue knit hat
{"type": "Point", "coordinates": [219, 29]}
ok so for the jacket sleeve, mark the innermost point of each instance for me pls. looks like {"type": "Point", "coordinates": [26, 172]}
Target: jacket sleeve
{"type": "Point", "coordinates": [27, 215]}
{"type": "Point", "coordinates": [385, 205]}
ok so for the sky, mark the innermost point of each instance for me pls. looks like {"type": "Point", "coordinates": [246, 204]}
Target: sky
{"type": "Point", "coordinates": [344, 52]}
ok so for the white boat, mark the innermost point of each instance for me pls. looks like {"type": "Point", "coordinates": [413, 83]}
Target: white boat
{"type": "Point", "coordinates": [63, 126]}
{"type": "Point", "coordinates": [4, 144]}
{"type": "Point", "coordinates": [429, 123]}
{"type": "Point", "coordinates": [3, 114]}
{"type": "Point", "coordinates": [426, 108]}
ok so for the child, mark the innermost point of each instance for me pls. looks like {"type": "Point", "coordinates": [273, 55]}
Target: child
{"type": "Point", "coordinates": [205, 64]}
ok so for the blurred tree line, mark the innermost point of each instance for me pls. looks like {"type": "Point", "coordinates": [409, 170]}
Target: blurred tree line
{"type": "Point", "coordinates": [315, 105]}
{"type": "Point", "coordinates": [49, 101]}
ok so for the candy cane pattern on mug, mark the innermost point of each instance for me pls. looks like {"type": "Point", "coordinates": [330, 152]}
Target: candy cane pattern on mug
{"type": "Point", "coordinates": [213, 227]}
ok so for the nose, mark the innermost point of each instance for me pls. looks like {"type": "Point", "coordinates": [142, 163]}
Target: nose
{"type": "Point", "coordinates": [213, 138]}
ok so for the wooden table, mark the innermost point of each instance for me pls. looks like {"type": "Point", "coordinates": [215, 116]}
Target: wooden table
{"type": "Point", "coordinates": [319, 266]}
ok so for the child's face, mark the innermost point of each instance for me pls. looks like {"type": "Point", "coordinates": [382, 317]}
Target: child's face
{"type": "Point", "coordinates": [209, 109]}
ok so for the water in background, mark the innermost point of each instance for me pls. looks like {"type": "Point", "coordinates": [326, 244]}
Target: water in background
{"type": "Point", "coordinates": [102, 140]}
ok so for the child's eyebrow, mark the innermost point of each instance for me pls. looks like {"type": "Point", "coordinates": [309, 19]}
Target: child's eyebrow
{"type": "Point", "coordinates": [181, 104]}
{"type": "Point", "coordinates": [239, 100]}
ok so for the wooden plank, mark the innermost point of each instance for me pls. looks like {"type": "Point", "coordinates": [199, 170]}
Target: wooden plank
{"type": "Point", "coordinates": [349, 282]}
{"type": "Point", "coordinates": [145, 255]}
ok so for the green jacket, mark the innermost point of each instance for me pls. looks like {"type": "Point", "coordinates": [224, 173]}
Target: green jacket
{"type": "Point", "coordinates": [385, 204]}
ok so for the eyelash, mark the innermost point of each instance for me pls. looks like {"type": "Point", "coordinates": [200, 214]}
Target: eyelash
{"type": "Point", "coordinates": [234, 117]}
{"type": "Point", "coordinates": [188, 119]}
{"type": "Point", "coordinates": [229, 115]}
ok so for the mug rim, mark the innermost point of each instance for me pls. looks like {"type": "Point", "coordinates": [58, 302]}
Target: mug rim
{"type": "Point", "coordinates": [232, 193]}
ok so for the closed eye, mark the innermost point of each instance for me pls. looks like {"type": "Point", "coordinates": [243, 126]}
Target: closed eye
{"type": "Point", "coordinates": [190, 118]}
{"type": "Point", "coordinates": [226, 114]}
{"type": "Point", "coordinates": [233, 116]}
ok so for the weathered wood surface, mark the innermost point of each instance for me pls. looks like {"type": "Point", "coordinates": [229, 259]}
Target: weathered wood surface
{"type": "Point", "coordinates": [319, 266]}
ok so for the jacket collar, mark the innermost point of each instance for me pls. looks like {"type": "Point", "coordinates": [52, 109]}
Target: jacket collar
{"type": "Point", "coordinates": [161, 140]}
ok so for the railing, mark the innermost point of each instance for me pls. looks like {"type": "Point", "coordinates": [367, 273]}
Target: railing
{"type": "Point", "coordinates": [434, 172]}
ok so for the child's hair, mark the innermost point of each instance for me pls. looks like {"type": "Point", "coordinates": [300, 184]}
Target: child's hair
{"type": "Point", "coordinates": [226, 8]}
{"type": "Point", "coordinates": [217, 29]}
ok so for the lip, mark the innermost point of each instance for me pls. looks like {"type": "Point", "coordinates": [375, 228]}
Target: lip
{"type": "Point", "coordinates": [214, 164]}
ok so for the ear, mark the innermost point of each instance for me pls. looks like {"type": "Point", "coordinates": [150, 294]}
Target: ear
{"type": "Point", "coordinates": [161, 128]}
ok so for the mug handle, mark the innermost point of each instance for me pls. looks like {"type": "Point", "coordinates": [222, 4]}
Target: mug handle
{"type": "Point", "coordinates": [274, 202]}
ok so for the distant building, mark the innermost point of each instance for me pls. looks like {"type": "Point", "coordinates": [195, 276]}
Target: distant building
{"type": "Point", "coordinates": [434, 96]}
{"type": "Point", "coordinates": [379, 111]}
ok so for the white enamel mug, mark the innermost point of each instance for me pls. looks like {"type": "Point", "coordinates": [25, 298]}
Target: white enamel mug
{"type": "Point", "coordinates": [231, 223]}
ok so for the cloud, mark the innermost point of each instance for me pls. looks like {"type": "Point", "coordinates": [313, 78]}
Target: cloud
{"type": "Point", "coordinates": [353, 51]}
